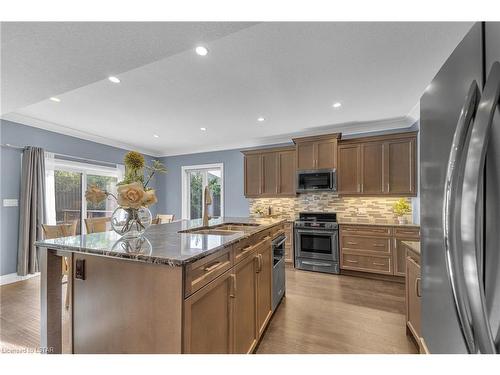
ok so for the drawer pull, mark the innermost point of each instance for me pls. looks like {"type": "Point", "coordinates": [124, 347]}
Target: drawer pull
{"type": "Point", "coordinates": [351, 261]}
{"type": "Point", "coordinates": [378, 264]}
{"type": "Point", "coordinates": [378, 245]}
{"type": "Point", "coordinates": [212, 267]}
{"type": "Point", "coordinates": [352, 243]}
{"type": "Point", "coordinates": [417, 287]}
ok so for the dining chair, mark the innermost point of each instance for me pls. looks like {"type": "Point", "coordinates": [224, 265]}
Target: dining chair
{"type": "Point", "coordinates": [164, 219]}
{"type": "Point", "coordinates": [156, 220]}
{"type": "Point", "coordinates": [62, 230]}
{"type": "Point", "coordinates": [97, 224]}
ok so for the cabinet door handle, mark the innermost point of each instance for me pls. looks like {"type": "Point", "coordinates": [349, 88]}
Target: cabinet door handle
{"type": "Point", "coordinates": [359, 188]}
{"type": "Point", "coordinates": [378, 245]}
{"type": "Point", "coordinates": [260, 262]}
{"type": "Point", "coordinates": [351, 261]}
{"type": "Point", "coordinates": [233, 287]}
{"type": "Point", "coordinates": [352, 243]}
{"type": "Point", "coordinates": [378, 264]}
{"type": "Point", "coordinates": [417, 287]}
{"type": "Point", "coordinates": [211, 267]}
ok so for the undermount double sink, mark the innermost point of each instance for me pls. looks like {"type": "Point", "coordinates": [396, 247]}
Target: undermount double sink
{"type": "Point", "coordinates": [222, 229]}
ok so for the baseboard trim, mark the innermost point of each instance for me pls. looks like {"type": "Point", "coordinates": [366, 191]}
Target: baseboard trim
{"type": "Point", "coordinates": [14, 278]}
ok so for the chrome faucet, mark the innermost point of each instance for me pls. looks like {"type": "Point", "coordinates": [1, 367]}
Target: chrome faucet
{"type": "Point", "coordinates": [207, 201]}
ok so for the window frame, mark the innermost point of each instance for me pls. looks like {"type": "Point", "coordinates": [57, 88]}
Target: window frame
{"type": "Point", "coordinates": [186, 212]}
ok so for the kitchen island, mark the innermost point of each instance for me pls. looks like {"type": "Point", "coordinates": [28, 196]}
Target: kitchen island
{"type": "Point", "coordinates": [179, 289]}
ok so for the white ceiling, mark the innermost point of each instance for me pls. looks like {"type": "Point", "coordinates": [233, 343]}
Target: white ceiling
{"type": "Point", "coordinates": [289, 73]}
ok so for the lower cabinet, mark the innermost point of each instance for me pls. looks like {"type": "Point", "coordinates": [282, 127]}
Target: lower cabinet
{"type": "Point", "coordinates": [245, 306]}
{"type": "Point", "coordinates": [264, 287]}
{"type": "Point", "coordinates": [229, 314]}
{"type": "Point", "coordinates": [375, 249]}
{"type": "Point", "coordinates": [413, 297]}
{"type": "Point", "coordinates": [208, 317]}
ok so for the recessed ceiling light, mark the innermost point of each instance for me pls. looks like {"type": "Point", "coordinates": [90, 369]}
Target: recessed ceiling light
{"type": "Point", "coordinates": [203, 129]}
{"type": "Point", "coordinates": [202, 51]}
{"type": "Point", "coordinates": [337, 105]}
{"type": "Point", "coordinates": [114, 79]}
{"type": "Point", "coordinates": [156, 136]}
{"type": "Point", "coordinates": [54, 99]}
{"type": "Point", "coordinates": [261, 119]}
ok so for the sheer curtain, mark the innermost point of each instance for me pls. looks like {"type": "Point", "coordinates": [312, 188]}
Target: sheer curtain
{"type": "Point", "coordinates": [32, 209]}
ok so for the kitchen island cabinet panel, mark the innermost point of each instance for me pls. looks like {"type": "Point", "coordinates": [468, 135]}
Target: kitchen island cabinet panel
{"type": "Point", "coordinates": [245, 306]}
{"type": "Point", "coordinates": [208, 318]}
{"type": "Point", "coordinates": [264, 286]}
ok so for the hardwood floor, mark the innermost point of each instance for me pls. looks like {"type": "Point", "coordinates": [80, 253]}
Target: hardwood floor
{"type": "Point", "coordinates": [20, 317]}
{"type": "Point", "coordinates": [338, 314]}
{"type": "Point", "coordinates": [320, 314]}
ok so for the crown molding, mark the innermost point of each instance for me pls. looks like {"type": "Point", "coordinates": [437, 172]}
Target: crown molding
{"type": "Point", "coordinates": [347, 128]}
{"type": "Point", "coordinates": [65, 130]}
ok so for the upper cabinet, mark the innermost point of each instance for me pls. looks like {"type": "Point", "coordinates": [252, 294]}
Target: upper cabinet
{"type": "Point", "coordinates": [382, 165]}
{"type": "Point", "coordinates": [253, 175]}
{"type": "Point", "coordinates": [319, 152]}
{"type": "Point", "coordinates": [270, 172]}
{"type": "Point", "coordinates": [370, 166]}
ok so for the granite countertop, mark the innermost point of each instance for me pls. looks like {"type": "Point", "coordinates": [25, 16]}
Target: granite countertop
{"type": "Point", "coordinates": [381, 222]}
{"type": "Point", "coordinates": [162, 243]}
{"type": "Point", "coordinates": [413, 246]}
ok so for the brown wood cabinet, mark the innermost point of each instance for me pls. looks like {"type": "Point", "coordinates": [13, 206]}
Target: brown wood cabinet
{"type": "Point", "coordinates": [269, 172]}
{"type": "Point", "coordinates": [375, 249]}
{"type": "Point", "coordinates": [381, 165]}
{"type": "Point", "coordinates": [253, 175]}
{"type": "Point", "coordinates": [286, 173]}
{"type": "Point", "coordinates": [413, 295]}
{"type": "Point", "coordinates": [317, 152]}
{"type": "Point", "coordinates": [349, 171]}
{"type": "Point", "coordinates": [400, 166]}
{"type": "Point", "coordinates": [229, 313]}
{"type": "Point", "coordinates": [264, 286]}
{"type": "Point", "coordinates": [208, 318]}
{"type": "Point", "coordinates": [245, 306]}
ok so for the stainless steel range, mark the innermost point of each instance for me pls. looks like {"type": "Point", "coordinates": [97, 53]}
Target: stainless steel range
{"type": "Point", "coordinates": [317, 242]}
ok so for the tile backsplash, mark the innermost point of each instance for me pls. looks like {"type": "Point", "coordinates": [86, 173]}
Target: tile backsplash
{"type": "Point", "coordinates": [348, 208]}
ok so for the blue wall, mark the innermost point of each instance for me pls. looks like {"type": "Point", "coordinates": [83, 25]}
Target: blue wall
{"type": "Point", "coordinates": [22, 135]}
{"type": "Point", "coordinates": [170, 195]}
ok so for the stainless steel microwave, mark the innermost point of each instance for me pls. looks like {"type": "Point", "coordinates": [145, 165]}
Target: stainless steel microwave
{"type": "Point", "coordinates": [317, 180]}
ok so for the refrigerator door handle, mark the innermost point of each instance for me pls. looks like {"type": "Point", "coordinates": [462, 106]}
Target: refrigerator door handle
{"type": "Point", "coordinates": [451, 214]}
{"type": "Point", "coordinates": [472, 210]}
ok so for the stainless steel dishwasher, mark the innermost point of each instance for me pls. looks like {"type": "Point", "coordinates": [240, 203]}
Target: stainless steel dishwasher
{"type": "Point", "coordinates": [278, 245]}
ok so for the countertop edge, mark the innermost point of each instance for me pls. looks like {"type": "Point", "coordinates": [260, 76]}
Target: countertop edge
{"type": "Point", "coordinates": [157, 260]}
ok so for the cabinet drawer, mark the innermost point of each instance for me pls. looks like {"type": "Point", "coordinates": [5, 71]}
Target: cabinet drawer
{"type": "Point", "coordinates": [407, 232]}
{"type": "Point", "coordinates": [369, 244]}
{"type": "Point", "coordinates": [367, 263]}
{"type": "Point", "coordinates": [366, 230]}
{"type": "Point", "coordinates": [247, 247]}
{"type": "Point", "coordinates": [201, 272]}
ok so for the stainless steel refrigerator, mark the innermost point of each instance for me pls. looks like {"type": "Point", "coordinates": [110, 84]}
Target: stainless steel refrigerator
{"type": "Point", "coordinates": [460, 198]}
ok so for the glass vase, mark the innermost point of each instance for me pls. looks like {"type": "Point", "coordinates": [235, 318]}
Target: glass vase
{"type": "Point", "coordinates": [131, 222]}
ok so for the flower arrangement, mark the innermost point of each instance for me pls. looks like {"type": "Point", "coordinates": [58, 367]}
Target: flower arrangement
{"type": "Point", "coordinates": [133, 193]}
{"type": "Point", "coordinates": [401, 208]}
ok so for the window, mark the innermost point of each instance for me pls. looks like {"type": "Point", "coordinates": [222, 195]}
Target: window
{"type": "Point", "coordinates": [194, 180]}
{"type": "Point", "coordinates": [66, 183]}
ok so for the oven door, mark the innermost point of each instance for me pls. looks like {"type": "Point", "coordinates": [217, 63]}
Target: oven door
{"type": "Point", "coordinates": [316, 244]}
